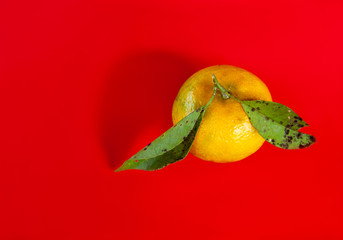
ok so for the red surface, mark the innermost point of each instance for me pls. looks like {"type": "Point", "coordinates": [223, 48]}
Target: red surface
{"type": "Point", "coordinates": [86, 84]}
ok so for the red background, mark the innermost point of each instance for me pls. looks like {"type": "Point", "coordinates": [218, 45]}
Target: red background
{"type": "Point", "coordinates": [85, 84]}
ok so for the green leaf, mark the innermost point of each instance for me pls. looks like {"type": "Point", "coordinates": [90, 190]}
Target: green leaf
{"type": "Point", "coordinates": [277, 124]}
{"type": "Point", "coordinates": [171, 146]}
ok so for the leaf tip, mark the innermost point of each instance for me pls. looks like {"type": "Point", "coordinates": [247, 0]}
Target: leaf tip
{"type": "Point", "coordinates": [313, 139]}
{"type": "Point", "coordinates": [311, 142]}
{"type": "Point", "coordinates": [121, 168]}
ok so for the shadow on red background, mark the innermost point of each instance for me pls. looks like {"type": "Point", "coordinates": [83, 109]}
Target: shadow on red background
{"type": "Point", "coordinates": [132, 94]}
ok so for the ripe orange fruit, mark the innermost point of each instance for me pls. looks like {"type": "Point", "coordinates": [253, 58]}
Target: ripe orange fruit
{"type": "Point", "coordinates": [225, 134]}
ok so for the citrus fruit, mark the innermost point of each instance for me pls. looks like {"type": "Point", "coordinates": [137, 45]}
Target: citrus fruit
{"type": "Point", "coordinates": [225, 134]}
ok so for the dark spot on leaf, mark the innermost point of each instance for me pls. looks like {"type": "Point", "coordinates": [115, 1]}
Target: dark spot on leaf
{"type": "Point", "coordinates": [273, 140]}
{"type": "Point", "coordinates": [184, 138]}
{"type": "Point", "coordinates": [267, 118]}
{"type": "Point", "coordinates": [258, 108]}
{"type": "Point", "coordinates": [300, 125]}
{"type": "Point", "coordinates": [267, 104]}
{"type": "Point", "coordinates": [308, 144]}
{"type": "Point", "coordinates": [313, 139]}
{"type": "Point", "coordinates": [145, 149]}
{"type": "Point", "coordinates": [286, 131]}
{"type": "Point", "coordinates": [187, 121]}
{"type": "Point", "coordinates": [253, 109]}
{"type": "Point", "coordinates": [284, 145]}
{"type": "Point", "coordinates": [149, 144]}
{"type": "Point", "coordinates": [198, 110]}
{"type": "Point", "coordinates": [281, 122]}
{"type": "Point", "coordinates": [180, 124]}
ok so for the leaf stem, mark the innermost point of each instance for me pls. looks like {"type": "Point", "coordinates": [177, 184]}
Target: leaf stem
{"type": "Point", "coordinates": [237, 99]}
{"type": "Point", "coordinates": [225, 94]}
{"type": "Point", "coordinates": [213, 94]}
